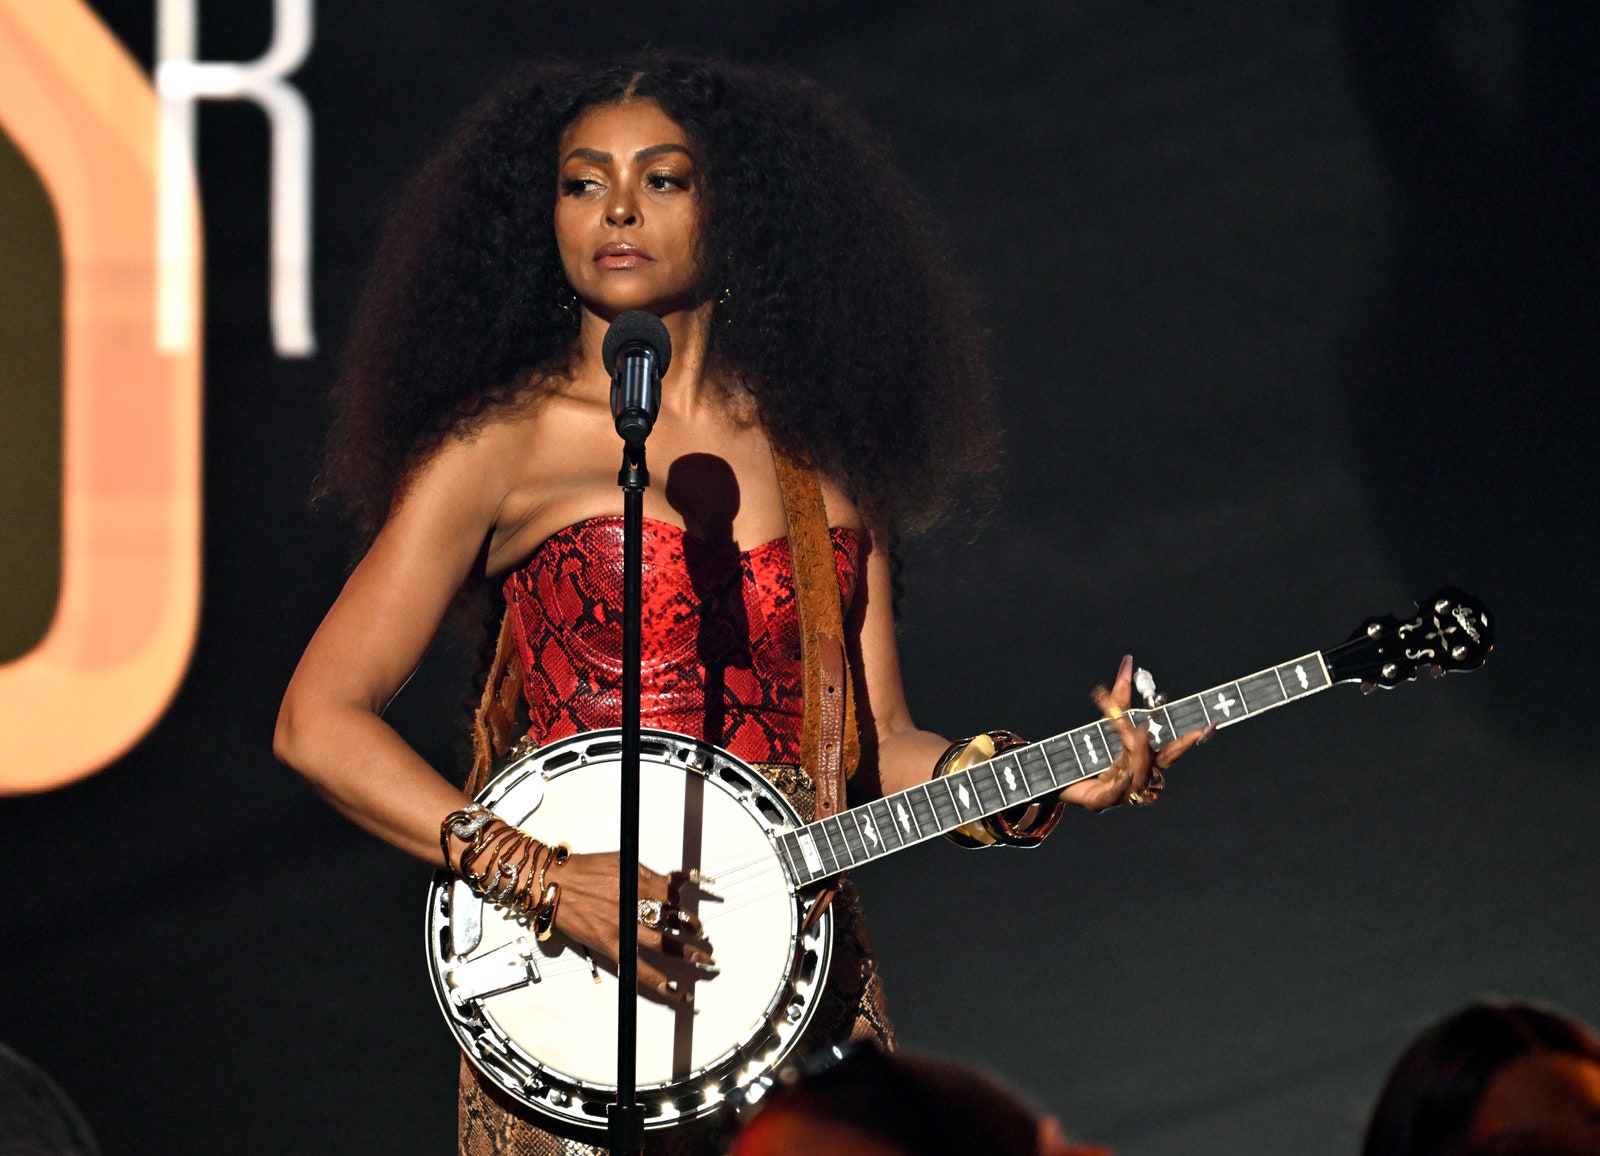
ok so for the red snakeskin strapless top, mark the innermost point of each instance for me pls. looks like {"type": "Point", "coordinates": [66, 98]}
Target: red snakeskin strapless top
{"type": "Point", "coordinates": [721, 636]}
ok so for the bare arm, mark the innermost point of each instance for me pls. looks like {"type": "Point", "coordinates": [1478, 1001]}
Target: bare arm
{"type": "Point", "coordinates": [330, 727]}
{"type": "Point", "coordinates": [905, 755]}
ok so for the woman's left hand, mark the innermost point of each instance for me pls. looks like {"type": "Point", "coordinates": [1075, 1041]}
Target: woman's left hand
{"type": "Point", "coordinates": [1136, 775]}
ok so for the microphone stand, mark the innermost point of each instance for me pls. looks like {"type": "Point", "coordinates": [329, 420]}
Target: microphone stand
{"type": "Point", "coordinates": [626, 1127]}
{"type": "Point", "coordinates": [636, 348]}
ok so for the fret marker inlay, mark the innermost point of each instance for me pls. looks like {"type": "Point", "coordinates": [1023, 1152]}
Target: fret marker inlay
{"type": "Point", "coordinates": [1011, 779]}
{"type": "Point", "coordinates": [1155, 732]}
{"type": "Point", "coordinates": [905, 819]}
{"type": "Point", "coordinates": [808, 849]}
{"type": "Point", "coordinates": [1300, 673]}
{"type": "Point", "coordinates": [1225, 705]}
{"type": "Point", "coordinates": [870, 831]}
{"type": "Point", "coordinates": [964, 795]}
{"type": "Point", "coordinates": [1088, 745]}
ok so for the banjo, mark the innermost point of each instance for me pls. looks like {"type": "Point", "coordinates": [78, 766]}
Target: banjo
{"type": "Point", "coordinates": [539, 1019]}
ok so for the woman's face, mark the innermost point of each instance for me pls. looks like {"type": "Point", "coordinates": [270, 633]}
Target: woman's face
{"type": "Point", "coordinates": [628, 207]}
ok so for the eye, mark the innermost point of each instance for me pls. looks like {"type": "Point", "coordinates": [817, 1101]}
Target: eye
{"type": "Point", "coordinates": [663, 181]}
{"type": "Point", "coordinates": [573, 186]}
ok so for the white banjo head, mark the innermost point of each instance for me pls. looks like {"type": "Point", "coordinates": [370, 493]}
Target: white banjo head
{"type": "Point", "coordinates": [540, 1020]}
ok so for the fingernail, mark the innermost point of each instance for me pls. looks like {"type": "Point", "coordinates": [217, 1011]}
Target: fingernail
{"type": "Point", "coordinates": [1126, 669]}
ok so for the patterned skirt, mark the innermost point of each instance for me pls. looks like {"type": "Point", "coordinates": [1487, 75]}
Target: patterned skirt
{"type": "Point", "coordinates": [852, 1007]}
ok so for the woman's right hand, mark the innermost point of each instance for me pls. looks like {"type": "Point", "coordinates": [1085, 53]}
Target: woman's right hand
{"type": "Point", "coordinates": [671, 958]}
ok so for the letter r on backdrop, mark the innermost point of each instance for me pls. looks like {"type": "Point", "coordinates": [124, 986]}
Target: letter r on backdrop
{"type": "Point", "coordinates": [181, 80]}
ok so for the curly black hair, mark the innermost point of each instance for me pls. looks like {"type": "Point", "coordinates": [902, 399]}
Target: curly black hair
{"type": "Point", "coordinates": [835, 305]}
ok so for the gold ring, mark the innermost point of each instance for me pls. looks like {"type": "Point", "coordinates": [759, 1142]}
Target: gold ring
{"type": "Point", "coordinates": [1151, 792]}
{"type": "Point", "coordinates": [1113, 712]}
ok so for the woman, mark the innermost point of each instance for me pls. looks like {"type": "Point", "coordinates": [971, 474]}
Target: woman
{"type": "Point", "coordinates": [1493, 1079]}
{"type": "Point", "coordinates": [802, 287]}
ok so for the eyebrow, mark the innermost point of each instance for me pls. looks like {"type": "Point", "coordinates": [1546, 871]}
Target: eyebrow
{"type": "Point", "coordinates": [645, 154]}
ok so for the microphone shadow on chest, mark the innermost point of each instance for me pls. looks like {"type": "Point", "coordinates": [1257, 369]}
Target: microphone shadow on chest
{"type": "Point", "coordinates": [704, 491]}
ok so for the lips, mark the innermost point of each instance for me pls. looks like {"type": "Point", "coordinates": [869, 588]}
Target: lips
{"type": "Point", "coordinates": [620, 255]}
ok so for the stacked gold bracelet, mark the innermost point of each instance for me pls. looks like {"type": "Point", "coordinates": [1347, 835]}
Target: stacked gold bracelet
{"type": "Point", "coordinates": [505, 865]}
{"type": "Point", "coordinates": [1025, 825]}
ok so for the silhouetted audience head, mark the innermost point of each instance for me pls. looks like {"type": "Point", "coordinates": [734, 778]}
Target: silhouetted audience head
{"type": "Point", "coordinates": [860, 1101]}
{"type": "Point", "coordinates": [1505, 1079]}
{"type": "Point", "coordinates": [36, 1118]}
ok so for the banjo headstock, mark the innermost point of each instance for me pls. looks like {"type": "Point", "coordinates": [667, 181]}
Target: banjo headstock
{"type": "Point", "coordinates": [1451, 632]}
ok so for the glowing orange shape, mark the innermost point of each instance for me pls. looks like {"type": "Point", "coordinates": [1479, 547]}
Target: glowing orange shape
{"type": "Point", "coordinates": [86, 118]}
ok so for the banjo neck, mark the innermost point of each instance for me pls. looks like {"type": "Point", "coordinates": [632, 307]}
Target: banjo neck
{"type": "Point", "coordinates": [1450, 632]}
{"type": "Point", "coordinates": [826, 847]}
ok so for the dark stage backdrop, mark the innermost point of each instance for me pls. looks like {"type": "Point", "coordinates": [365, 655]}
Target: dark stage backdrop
{"type": "Point", "coordinates": [1293, 311]}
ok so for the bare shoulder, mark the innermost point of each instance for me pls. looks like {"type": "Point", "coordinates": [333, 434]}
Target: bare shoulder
{"type": "Point", "coordinates": [471, 470]}
{"type": "Point", "coordinates": [843, 512]}
{"type": "Point", "coordinates": [555, 459]}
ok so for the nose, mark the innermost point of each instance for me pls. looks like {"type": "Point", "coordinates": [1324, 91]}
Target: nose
{"type": "Point", "coordinates": [621, 207]}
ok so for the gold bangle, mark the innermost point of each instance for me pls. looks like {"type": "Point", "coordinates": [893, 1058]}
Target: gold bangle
{"type": "Point", "coordinates": [992, 830]}
{"type": "Point", "coordinates": [486, 836]}
{"type": "Point", "coordinates": [526, 857]}
{"type": "Point", "coordinates": [557, 857]}
{"type": "Point", "coordinates": [1031, 827]}
{"type": "Point", "coordinates": [539, 854]}
{"type": "Point", "coordinates": [1025, 825]}
{"type": "Point", "coordinates": [502, 863]}
{"type": "Point", "coordinates": [528, 901]}
{"type": "Point", "coordinates": [554, 857]}
{"type": "Point", "coordinates": [500, 883]}
{"type": "Point", "coordinates": [958, 756]}
{"type": "Point", "coordinates": [464, 824]}
{"type": "Point", "coordinates": [544, 919]}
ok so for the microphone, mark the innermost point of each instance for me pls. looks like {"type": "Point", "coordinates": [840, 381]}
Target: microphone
{"type": "Point", "coordinates": [637, 351]}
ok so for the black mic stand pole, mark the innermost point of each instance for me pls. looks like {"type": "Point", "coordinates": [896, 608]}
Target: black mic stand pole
{"type": "Point", "coordinates": [636, 350]}
{"type": "Point", "coordinates": [627, 1115]}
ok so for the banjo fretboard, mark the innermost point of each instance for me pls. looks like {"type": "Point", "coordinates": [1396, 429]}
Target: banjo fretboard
{"type": "Point", "coordinates": [883, 826]}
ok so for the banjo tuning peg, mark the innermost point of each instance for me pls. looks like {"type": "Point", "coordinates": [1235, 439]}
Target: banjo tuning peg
{"type": "Point", "coordinates": [1145, 683]}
